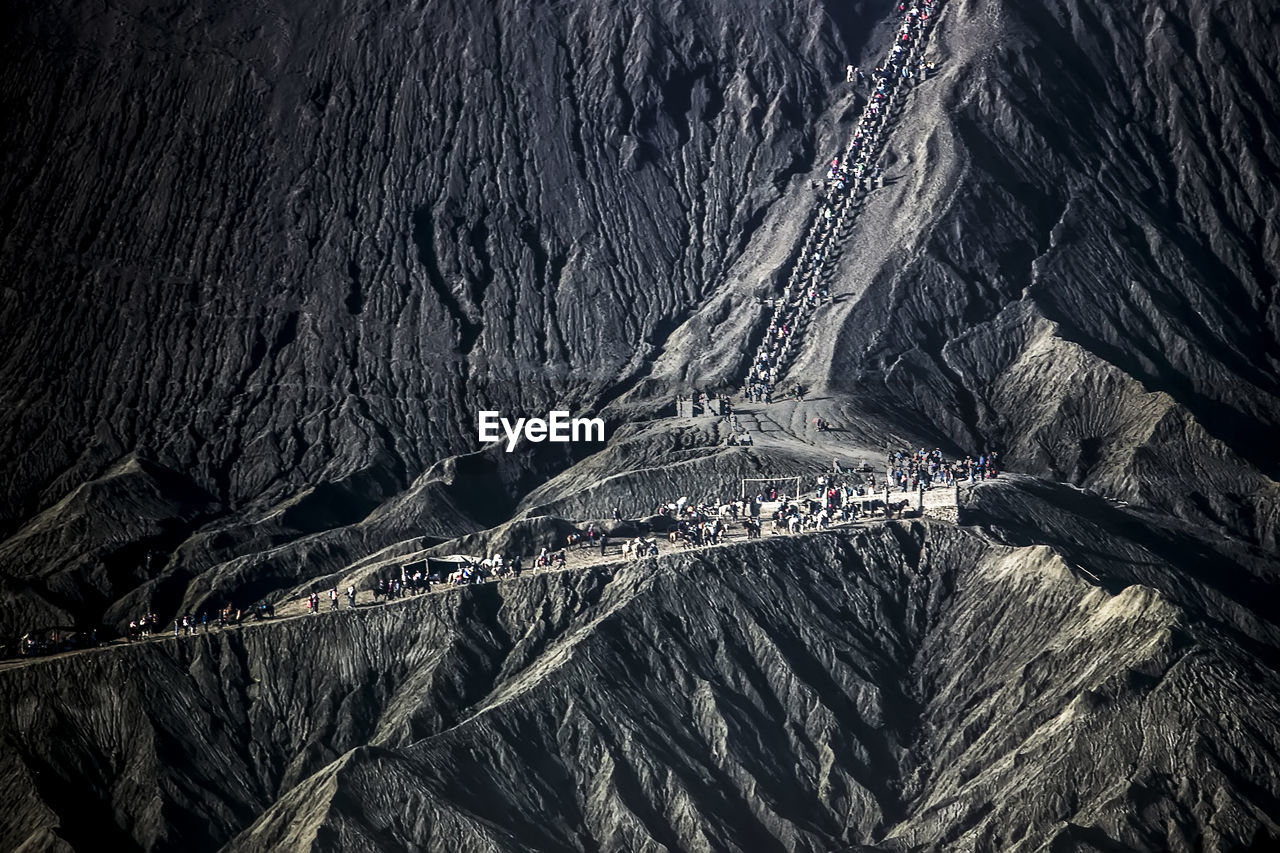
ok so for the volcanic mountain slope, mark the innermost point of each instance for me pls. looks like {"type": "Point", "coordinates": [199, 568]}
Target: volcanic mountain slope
{"type": "Point", "coordinates": [261, 265]}
{"type": "Point", "coordinates": [277, 245]}
{"type": "Point", "coordinates": [1075, 258]}
{"type": "Point", "coordinates": [1077, 262]}
{"type": "Point", "coordinates": [905, 686]}
{"type": "Point", "coordinates": [390, 240]}
{"type": "Point", "coordinates": [282, 246]}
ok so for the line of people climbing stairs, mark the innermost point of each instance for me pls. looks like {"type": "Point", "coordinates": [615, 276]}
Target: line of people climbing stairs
{"type": "Point", "coordinates": [850, 177]}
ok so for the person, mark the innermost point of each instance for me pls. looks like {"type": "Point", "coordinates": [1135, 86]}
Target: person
{"type": "Point", "coordinates": [850, 74]}
{"type": "Point", "coordinates": [333, 598]}
{"type": "Point", "coordinates": [351, 596]}
{"type": "Point", "coordinates": [604, 542]}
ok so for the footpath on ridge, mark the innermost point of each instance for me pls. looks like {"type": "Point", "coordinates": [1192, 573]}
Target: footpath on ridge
{"type": "Point", "coordinates": [578, 560]}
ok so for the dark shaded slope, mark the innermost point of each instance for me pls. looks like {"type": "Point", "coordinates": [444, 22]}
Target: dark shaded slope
{"type": "Point", "coordinates": [266, 251]}
{"type": "Point", "coordinates": [106, 538]}
{"type": "Point", "coordinates": [187, 740]}
{"type": "Point", "coordinates": [1221, 579]}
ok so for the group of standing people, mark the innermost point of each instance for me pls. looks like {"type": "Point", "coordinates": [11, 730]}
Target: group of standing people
{"type": "Point", "coordinates": [313, 600]}
{"type": "Point", "coordinates": [909, 470]}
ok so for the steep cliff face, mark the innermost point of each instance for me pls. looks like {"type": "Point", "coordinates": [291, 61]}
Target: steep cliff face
{"type": "Point", "coordinates": [900, 687]}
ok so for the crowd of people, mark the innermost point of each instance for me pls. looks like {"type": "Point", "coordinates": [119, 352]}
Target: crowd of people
{"type": "Point", "coordinates": [837, 497]}
{"type": "Point", "coordinates": [908, 470]}
{"type": "Point", "coordinates": [834, 500]}
{"type": "Point", "coordinates": [848, 176]}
